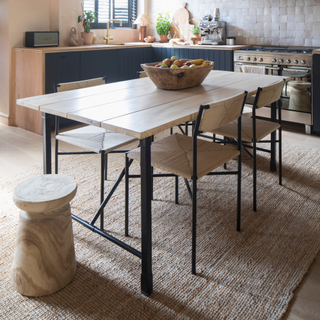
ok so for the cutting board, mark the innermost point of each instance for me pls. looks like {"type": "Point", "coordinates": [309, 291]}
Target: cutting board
{"type": "Point", "coordinates": [185, 31]}
{"type": "Point", "coordinates": [180, 17]}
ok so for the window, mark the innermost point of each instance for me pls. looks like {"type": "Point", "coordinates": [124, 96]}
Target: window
{"type": "Point", "coordinates": [124, 10]}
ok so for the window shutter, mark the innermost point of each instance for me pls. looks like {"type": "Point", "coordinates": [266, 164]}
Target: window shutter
{"type": "Point", "coordinates": [104, 11]}
{"type": "Point", "coordinates": [122, 12]}
{"type": "Point", "coordinates": [89, 5]}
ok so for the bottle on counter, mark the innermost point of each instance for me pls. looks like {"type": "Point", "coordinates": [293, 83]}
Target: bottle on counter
{"type": "Point", "coordinates": [94, 39]}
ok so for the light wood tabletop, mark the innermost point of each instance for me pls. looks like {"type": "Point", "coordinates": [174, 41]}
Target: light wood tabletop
{"type": "Point", "coordinates": [138, 109]}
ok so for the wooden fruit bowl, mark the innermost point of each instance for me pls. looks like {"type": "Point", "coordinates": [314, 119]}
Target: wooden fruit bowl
{"type": "Point", "coordinates": [175, 79]}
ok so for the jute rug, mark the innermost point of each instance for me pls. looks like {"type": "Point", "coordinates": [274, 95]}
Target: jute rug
{"type": "Point", "coordinates": [250, 274]}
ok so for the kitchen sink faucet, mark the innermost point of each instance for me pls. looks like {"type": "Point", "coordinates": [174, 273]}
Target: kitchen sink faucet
{"type": "Point", "coordinates": [107, 37]}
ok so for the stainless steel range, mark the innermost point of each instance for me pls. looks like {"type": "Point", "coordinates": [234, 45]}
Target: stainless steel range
{"type": "Point", "coordinates": [293, 62]}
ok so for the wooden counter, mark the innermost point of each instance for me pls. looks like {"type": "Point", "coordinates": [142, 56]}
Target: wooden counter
{"type": "Point", "coordinates": [126, 45]}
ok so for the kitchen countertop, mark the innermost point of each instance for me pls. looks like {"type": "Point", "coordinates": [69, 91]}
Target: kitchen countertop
{"type": "Point", "coordinates": [317, 51]}
{"type": "Point", "coordinates": [125, 46]}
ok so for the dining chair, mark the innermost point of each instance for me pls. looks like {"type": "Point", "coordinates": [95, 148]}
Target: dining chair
{"type": "Point", "coordinates": [93, 140]}
{"type": "Point", "coordinates": [194, 157]}
{"type": "Point", "coordinates": [255, 130]}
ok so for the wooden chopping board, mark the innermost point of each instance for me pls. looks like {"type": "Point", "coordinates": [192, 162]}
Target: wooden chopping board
{"type": "Point", "coordinates": [180, 17]}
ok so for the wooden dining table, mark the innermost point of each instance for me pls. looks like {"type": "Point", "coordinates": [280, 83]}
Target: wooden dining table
{"type": "Point", "coordinates": [139, 109]}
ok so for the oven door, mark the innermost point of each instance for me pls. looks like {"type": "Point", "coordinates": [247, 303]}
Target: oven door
{"type": "Point", "coordinates": [296, 97]}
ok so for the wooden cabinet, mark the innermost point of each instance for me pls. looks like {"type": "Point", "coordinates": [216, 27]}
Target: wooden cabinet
{"type": "Point", "coordinates": [35, 71]}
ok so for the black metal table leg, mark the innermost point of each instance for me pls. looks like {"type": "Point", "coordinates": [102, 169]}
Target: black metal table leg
{"type": "Point", "coordinates": [146, 185]}
{"type": "Point", "coordinates": [273, 165]}
{"type": "Point", "coordinates": [46, 132]}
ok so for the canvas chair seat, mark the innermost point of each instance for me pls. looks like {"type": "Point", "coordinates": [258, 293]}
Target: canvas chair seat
{"type": "Point", "coordinates": [95, 139]}
{"type": "Point", "coordinates": [174, 154]}
{"type": "Point", "coordinates": [264, 128]}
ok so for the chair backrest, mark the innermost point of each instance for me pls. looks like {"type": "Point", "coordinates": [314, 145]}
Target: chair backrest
{"type": "Point", "coordinates": [268, 94]}
{"type": "Point", "coordinates": [60, 87]}
{"type": "Point", "coordinates": [219, 113]}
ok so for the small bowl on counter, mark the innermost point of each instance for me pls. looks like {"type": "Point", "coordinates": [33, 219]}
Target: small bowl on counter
{"type": "Point", "coordinates": [176, 79]}
{"type": "Point", "coordinates": [149, 39]}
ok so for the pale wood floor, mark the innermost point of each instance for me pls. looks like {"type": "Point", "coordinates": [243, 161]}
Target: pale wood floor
{"type": "Point", "coordinates": [21, 150]}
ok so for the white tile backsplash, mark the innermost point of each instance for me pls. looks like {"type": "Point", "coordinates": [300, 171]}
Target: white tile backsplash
{"type": "Point", "coordinates": [264, 22]}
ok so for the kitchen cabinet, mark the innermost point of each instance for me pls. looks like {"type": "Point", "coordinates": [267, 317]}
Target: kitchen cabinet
{"type": "Point", "coordinates": [315, 92]}
{"type": "Point", "coordinates": [223, 59]}
{"type": "Point", "coordinates": [36, 70]}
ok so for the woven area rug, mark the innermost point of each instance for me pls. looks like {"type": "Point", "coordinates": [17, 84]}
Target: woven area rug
{"type": "Point", "coordinates": [250, 274]}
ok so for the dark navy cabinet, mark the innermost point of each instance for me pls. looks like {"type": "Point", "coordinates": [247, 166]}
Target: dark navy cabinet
{"type": "Point", "coordinates": [223, 59]}
{"type": "Point", "coordinates": [120, 64]}
{"type": "Point", "coordinates": [316, 92]}
{"type": "Point", "coordinates": [116, 65]}
{"type": "Point", "coordinates": [61, 67]}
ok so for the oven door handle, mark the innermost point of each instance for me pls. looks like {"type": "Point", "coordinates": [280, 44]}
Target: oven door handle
{"type": "Point", "coordinates": [300, 70]}
{"type": "Point", "coordinates": [269, 68]}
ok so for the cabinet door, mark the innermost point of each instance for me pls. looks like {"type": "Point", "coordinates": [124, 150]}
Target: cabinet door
{"type": "Point", "coordinates": [116, 64]}
{"type": "Point", "coordinates": [61, 67]}
{"type": "Point", "coordinates": [223, 59]}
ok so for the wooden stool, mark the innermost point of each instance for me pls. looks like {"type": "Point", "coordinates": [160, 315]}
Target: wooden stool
{"type": "Point", "coordinates": [44, 257]}
{"type": "Point", "coordinates": [300, 96]}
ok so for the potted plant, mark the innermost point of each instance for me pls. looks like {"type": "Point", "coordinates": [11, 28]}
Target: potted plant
{"type": "Point", "coordinates": [196, 32]}
{"type": "Point", "coordinates": [86, 18]}
{"type": "Point", "coordinates": [163, 26]}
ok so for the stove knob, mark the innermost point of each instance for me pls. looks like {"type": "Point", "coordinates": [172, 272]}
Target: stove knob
{"type": "Point", "coordinates": [248, 59]}
{"type": "Point", "coordinates": [254, 59]}
{"type": "Point", "coordinates": [274, 60]}
{"type": "Point", "coordinates": [280, 60]}
{"type": "Point", "coordinates": [303, 61]}
{"type": "Point", "coordinates": [288, 61]}
{"type": "Point", "coordinates": [295, 61]}
{"type": "Point", "coordinates": [260, 59]}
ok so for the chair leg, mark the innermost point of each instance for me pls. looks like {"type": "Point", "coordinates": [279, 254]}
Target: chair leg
{"type": "Point", "coordinates": [280, 156]}
{"type": "Point", "coordinates": [171, 131]}
{"type": "Point", "coordinates": [194, 225]}
{"type": "Point", "coordinates": [102, 188]}
{"type": "Point", "coordinates": [239, 195]}
{"type": "Point", "coordinates": [56, 124]}
{"type": "Point", "coordinates": [106, 167]}
{"type": "Point", "coordinates": [225, 143]}
{"type": "Point", "coordinates": [56, 156]}
{"type": "Point", "coordinates": [273, 166]}
{"type": "Point", "coordinates": [254, 175]}
{"type": "Point", "coordinates": [127, 197]}
{"type": "Point", "coordinates": [177, 190]}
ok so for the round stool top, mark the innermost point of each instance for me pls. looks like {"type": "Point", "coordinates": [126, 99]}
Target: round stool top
{"type": "Point", "coordinates": [44, 193]}
{"type": "Point", "coordinates": [302, 85]}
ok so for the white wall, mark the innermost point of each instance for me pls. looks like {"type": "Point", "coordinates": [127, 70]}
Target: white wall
{"type": "Point", "coordinates": [267, 22]}
{"type": "Point", "coordinates": [17, 17]}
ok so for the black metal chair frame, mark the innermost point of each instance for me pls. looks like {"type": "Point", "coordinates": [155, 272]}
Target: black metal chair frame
{"type": "Point", "coordinates": [104, 165]}
{"type": "Point", "coordinates": [193, 192]}
{"type": "Point", "coordinates": [245, 144]}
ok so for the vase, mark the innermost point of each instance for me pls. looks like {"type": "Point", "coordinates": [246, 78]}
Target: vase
{"type": "Point", "coordinates": [163, 38]}
{"type": "Point", "coordinates": [87, 37]}
{"type": "Point", "coordinates": [197, 35]}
